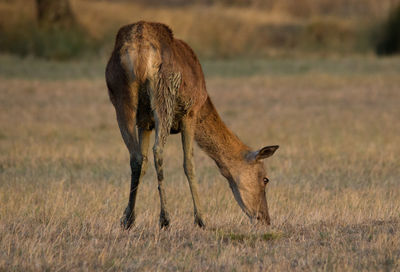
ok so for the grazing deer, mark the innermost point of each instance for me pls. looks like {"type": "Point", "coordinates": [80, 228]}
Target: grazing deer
{"type": "Point", "coordinates": [156, 82]}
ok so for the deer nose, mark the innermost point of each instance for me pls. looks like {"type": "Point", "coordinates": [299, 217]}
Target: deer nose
{"type": "Point", "coordinates": [264, 219]}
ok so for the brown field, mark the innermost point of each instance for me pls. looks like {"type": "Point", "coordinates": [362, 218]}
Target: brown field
{"type": "Point", "coordinates": [334, 194]}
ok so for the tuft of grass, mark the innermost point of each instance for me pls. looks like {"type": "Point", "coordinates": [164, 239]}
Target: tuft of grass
{"type": "Point", "coordinates": [269, 236]}
{"type": "Point", "coordinates": [237, 237]}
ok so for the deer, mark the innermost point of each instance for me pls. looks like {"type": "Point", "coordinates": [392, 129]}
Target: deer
{"type": "Point", "coordinates": [155, 82]}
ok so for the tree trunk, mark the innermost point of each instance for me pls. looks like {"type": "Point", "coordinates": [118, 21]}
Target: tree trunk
{"type": "Point", "coordinates": [55, 13]}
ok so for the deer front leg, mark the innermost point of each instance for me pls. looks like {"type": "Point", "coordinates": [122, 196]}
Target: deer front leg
{"type": "Point", "coordinates": [160, 139]}
{"type": "Point", "coordinates": [188, 165]}
{"type": "Point", "coordinates": [162, 97]}
{"type": "Point", "coordinates": [138, 163]}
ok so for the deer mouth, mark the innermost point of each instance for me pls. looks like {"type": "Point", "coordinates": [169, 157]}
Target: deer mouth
{"type": "Point", "coordinates": [239, 200]}
{"type": "Point", "coordinates": [263, 219]}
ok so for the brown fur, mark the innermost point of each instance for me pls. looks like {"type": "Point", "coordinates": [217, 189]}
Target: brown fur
{"type": "Point", "coordinates": [156, 82]}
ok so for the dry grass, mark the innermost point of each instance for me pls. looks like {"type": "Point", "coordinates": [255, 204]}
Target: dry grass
{"type": "Point", "coordinates": [334, 194]}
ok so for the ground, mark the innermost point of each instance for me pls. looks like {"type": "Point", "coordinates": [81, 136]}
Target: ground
{"type": "Point", "coordinates": [334, 193]}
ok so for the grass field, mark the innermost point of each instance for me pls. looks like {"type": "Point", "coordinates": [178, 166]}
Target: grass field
{"type": "Point", "coordinates": [334, 194]}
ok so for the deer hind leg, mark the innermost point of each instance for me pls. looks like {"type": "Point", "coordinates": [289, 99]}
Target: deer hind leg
{"type": "Point", "coordinates": [125, 100]}
{"type": "Point", "coordinates": [188, 165]}
{"type": "Point", "coordinates": [138, 163]}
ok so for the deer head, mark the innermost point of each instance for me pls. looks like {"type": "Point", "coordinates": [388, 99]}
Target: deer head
{"type": "Point", "coordinates": [248, 180]}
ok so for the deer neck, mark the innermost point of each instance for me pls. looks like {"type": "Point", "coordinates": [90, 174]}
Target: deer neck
{"type": "Point", "coordinates": [218, 141]}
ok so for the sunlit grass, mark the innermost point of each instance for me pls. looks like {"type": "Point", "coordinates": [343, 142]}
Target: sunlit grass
{"type": "Point", "coordinates": [334, 193]}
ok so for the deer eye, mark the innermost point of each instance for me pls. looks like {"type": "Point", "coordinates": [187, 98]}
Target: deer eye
{"type": "Point", "coordinates": [266, 180]}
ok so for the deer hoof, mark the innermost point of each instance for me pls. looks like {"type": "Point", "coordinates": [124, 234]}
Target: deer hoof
{"type": "Point", "coordinates": [164, 222]}
{"type": "Point", "coordinates": [199, 222]}
{"type": "Point", "coordinates": [127, 219]}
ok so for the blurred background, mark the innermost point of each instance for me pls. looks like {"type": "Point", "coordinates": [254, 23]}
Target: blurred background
{"type": "Point", "coordinates": [68, 29]}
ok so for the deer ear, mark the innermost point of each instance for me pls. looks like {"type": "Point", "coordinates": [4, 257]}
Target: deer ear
{"type": "Point", "coordinates": [263, 153]}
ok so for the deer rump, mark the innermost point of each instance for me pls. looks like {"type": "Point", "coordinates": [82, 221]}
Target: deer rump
{"type": "Point", "coordinates": [161, 73]}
